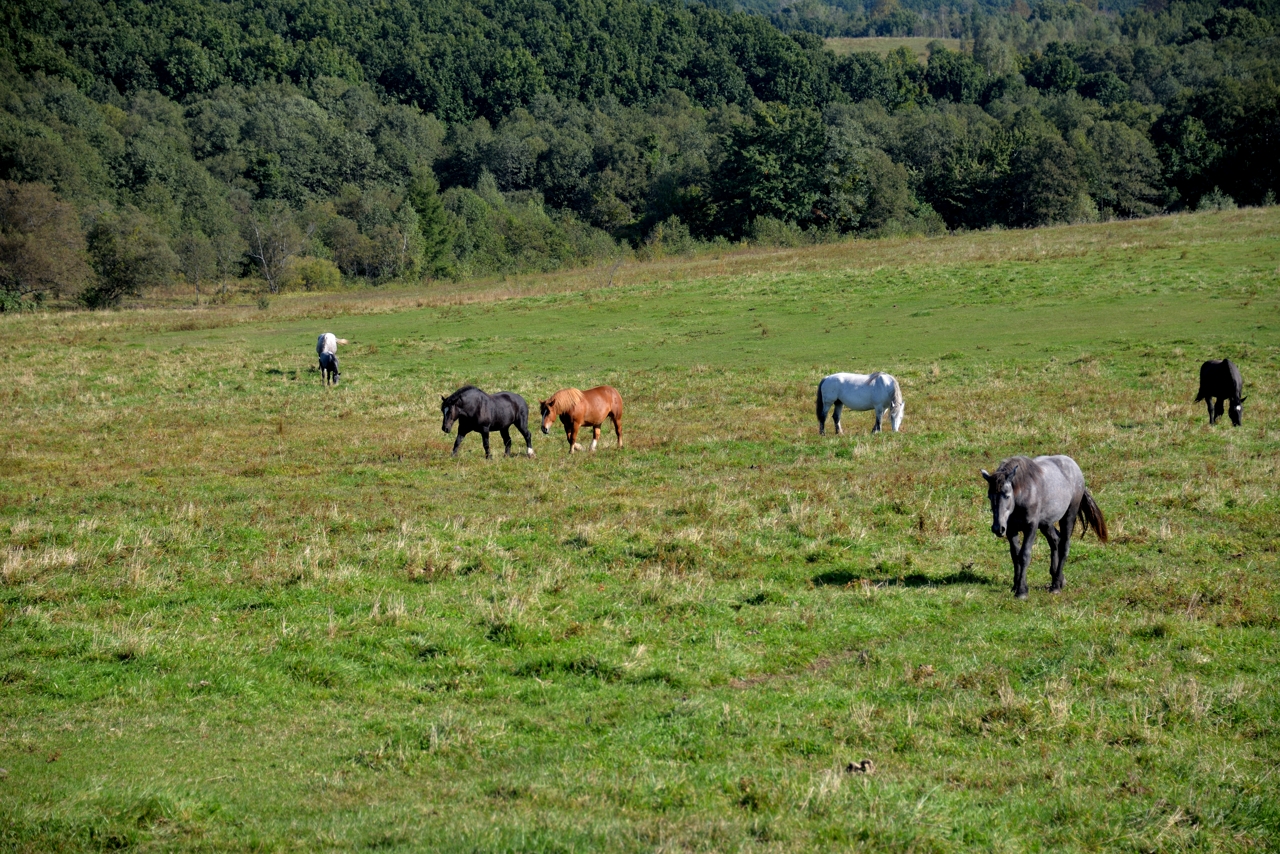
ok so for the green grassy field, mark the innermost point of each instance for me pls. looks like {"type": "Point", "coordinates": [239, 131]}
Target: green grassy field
{"type": "Point", "coordinates": [884, 45]}
{"type": "Point", "coordinates": [241, 611]}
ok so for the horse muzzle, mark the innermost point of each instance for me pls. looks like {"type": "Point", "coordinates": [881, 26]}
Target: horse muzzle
{"type": "Point", "coordinates": [998, 530]}
{"type": "Point", "coordinates": [545, 431]}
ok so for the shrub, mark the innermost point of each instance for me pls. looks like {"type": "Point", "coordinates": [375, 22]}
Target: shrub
{"type": "Point", "coordinates": [41, 245]}
{"type": "Point", "coordinates": [769, 231]}
{"type": "Point", "coordinates": [1216, 200]}
{"type": "Point", "coordinates": [311, 274]}
{"type": "Point", "coordinates": [128, 255]}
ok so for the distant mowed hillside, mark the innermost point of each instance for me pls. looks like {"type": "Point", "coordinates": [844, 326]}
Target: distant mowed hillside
{"type": "Point", "coordinates": [884, 45]}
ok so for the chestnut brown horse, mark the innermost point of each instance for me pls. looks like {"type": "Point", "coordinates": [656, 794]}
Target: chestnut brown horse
{"type": "Point", "coordinates": [591, 407]}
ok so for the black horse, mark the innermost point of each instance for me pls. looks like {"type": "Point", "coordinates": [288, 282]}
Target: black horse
{"type": "Point", "coordinates": [477, 412]}
{"type": "Point", "coordinates": [1220, 381]}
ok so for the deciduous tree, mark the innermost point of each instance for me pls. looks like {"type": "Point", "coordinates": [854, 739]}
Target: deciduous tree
{"type": "Point", "coordinates": [42, 249]}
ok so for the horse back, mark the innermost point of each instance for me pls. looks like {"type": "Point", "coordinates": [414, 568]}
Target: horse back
{"type": "Point", "coordinates": [601, 402]}
{"type": "Point", "coordinates": [1063, 465]}
{"type": "Point", "coordinates": [1220, 378]}
{"type": "Point", "coordinates": [1062, 477]}
{"type": "Point", "coordinates": [1237, 382]}
{"type": "Point", "coordinates": [858, 391]}
{"type": "Point", "coordinates": [513, 406]}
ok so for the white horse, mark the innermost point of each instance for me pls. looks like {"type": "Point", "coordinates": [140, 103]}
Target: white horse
{"type": "Point", "coordinates": [859, 392]}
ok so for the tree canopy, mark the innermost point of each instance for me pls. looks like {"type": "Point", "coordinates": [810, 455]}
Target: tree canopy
{"type": "Point", "coordinates": [462, 137]}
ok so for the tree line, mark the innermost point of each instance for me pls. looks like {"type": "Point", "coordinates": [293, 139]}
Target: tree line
{"type": "Point", "coordinates": [302, 143]}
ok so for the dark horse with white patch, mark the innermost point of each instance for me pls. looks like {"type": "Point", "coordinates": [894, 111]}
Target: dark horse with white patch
{"type": "Point", "coordinates": [477, 412]}
{"type": "Point", "coordinates": [329, 369]}
{"type": "Point", "coordinates": [1220, 381]}
{"type": "Point", "coordinates": [1028, 495]}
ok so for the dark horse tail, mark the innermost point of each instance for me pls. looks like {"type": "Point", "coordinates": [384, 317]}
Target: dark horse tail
{"type": "Point", "coordinates": [1091, 516]}
{"type": "Point", "coordinates": [818, 411]}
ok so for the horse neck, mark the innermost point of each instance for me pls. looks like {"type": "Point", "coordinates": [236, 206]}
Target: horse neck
{"type": "Point", "coordinates": [472, 398]}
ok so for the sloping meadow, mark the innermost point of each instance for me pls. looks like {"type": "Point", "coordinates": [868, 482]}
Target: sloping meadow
{"type": "Point", "coordinates": [240, 610]}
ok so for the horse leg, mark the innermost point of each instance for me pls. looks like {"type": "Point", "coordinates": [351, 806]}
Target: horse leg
{"type": "Point", "coordinates": [1024, 561]}
{"type": "Point", "coordinates": [1066, 528]}
{"type": "Point", "coordinates": [595, 436]}
{"type": "Point", "coordinates": [1055, 571]}
{"type": "Point", "coordinates": [1014, 550]}
{"type": "Point", "coordinates": [506, 440]}
{"type": "Point", "coordinates": [617, 427]}
{"type": "Point", "coordinates": [573, 438]}
{"type": "Point", "coordinates": [879, 413]}
{"type": "Point", "coordinates": [528, 438]}
{"type": "Point", "coordinates": [836, 412]}
{"type": "Point", "coordinates": [1217, 411]}
{"type": "Point", "coordinates": [462, 431]}
{"type": "Point", "coordinates": [484, 437]}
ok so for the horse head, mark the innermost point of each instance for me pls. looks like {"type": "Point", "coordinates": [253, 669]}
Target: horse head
{"type": "Point", "coordinates": [449, 410]}
{"type": "Point", "coordinates": [1000, 494]}
{"type": "Point", "coordinates": [548, 414]}
{"type": "Point", "coordinates": [1237, 410]}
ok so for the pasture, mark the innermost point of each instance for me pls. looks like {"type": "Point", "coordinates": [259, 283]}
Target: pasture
{"type": "Point", "coordinates": [242, 611]}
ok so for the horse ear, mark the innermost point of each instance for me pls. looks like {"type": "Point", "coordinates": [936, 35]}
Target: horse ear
{"type": "Point", "coordinates": [1243, 398]}
{"type": "Point", "coordinates": [443, 398]}
{"type": "Point", "coordinates": [1013, 472]}
{"type": "Point", "coordinates": [986, 475]}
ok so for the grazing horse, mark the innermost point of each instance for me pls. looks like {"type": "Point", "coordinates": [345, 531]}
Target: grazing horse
{"type": "Point", "coordinates": [859, 392]}
{"type": "Point", "coordinates": [329, 369]}
{"type": "Point", "coordinates": [327, 350]}
{"type": "Point", "coordinates": [1220, 381]}
{"type": "Point", "coordinates": [575, 408]}
{"type": "Point", "coordinates": [477, 412]}
{"type": "Point", "coordinates": [1028, 495]}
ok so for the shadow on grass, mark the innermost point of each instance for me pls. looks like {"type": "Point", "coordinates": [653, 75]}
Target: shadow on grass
{"type": "Point", "coordinates": [843, 578]}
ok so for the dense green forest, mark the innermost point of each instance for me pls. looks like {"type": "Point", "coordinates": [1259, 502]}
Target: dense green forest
{"type": "Point", "coordinates": [300, 143]}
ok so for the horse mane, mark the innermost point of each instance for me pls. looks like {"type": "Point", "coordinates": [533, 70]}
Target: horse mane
{"type": "Point", "coordinates": [566, 399]}
{"type": "Point", "coordinates": [1021, 477]}
{"type": "Point", "coordinates": [453, 398]}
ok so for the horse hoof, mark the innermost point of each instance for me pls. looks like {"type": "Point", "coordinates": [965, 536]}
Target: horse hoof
{"type": "Point", "coordinates": [531, 452]}
{"type": "Point", "coordinates": [1022, 595]}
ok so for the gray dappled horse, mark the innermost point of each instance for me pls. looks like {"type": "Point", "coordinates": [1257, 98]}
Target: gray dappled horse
{"type": "Point", "coordinates": [1028, 495]}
